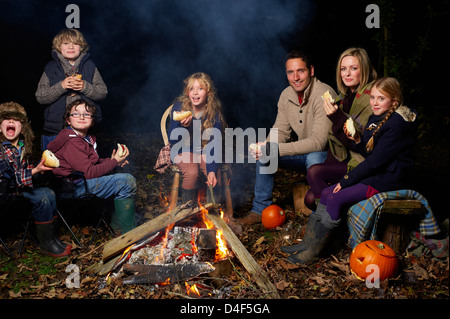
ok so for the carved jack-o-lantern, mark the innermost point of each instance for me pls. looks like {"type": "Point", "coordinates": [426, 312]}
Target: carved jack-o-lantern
{"type": "Point", "coordinates": [373, 252]}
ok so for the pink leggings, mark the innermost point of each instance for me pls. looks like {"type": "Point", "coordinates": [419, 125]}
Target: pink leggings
{"type": "Point", "coordinates": [190, 168]}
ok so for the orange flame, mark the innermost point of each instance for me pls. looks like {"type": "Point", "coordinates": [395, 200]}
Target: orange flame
{"type": "Point", "coordinates": [222, 248]}
{"type": "Point", "coordinates": [164, 245]}
{"type": "Point", "coordinates": [192, 290]}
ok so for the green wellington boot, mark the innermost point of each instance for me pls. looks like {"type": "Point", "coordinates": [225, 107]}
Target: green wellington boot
{"type": "Point", "coordinates": [123, 218]}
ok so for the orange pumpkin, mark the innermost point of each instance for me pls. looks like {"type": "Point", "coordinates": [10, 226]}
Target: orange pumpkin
{"type": "Point", "coordinates": [374, 252]}
{"type": "Point", "coordinates": [273, 216]}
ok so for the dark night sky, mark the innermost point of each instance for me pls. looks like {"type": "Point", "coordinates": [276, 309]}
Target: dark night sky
{"type": "Point", "coordinates": [144, 49]}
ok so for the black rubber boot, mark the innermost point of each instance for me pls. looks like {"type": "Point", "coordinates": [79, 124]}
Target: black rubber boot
{"type": "Point", "coordinates": [307, 237]}
{"type": "Point", "coordinates": [47, 242]}
{"type": "Point", "coordinates": [320, 238]}
{"type": "Point", "coordinates": [63, 245]}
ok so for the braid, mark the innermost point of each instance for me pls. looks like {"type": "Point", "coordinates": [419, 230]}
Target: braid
{"type": "Point", "coordinates": [369, 145]}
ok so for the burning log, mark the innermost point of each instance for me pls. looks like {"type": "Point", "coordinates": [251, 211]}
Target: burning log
{"type": "Point", "coordinates": [261, 278]}
{"type": "Point", "coordinates": [117, 245]}
{"type": "Point", "coordinates": [206, 244]}
{"type": "Point", "coordinates": [166, 273]}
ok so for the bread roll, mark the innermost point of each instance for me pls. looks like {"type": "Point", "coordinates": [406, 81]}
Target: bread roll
{"type": "Point", "coordinates": [181, 115]}
{"type": "Point", "coordinates": [327, 96]}
{"type": "Point", "coordinates": [254, 147]}
{"type": "Point", "coordinates": [120, 149]}
{"type": "Point", "coordinates": [350, 125]}
{"type": "Point", "coordinates": [50, 159]}
{"type": "Point", "coordinates": [78, 76]}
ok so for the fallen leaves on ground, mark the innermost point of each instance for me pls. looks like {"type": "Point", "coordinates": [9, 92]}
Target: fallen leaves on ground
{"type": "Point", "coordinates": [34, 275]}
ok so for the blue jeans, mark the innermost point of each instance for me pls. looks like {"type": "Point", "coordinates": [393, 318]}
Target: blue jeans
{"type": "Point", "coordinates": [264, 182]}
{"type": "Point", "coordinates": [117, 186]}
{"type": "Point", "coordinates": [43, 200]}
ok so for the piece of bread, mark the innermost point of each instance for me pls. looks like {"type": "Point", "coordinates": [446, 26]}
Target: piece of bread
{"type": "Point", "coordinates": [350, 126]}
{"type": "Point", "coordinates": [181, 115]}
{"type": "Point", "coordinates": [327, 96]}
{"type": "Point", "coordinates": [121, 149]}
{"type": "Point", "coordinates": [78, 76]}
{"type": "Point", "coordinates": [254, 147]}
{"type": "Point", "coordinates": [50, 159]}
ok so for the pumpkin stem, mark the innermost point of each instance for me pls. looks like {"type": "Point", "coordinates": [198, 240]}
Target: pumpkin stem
{"type": "Point", "coordinates": [381, 246]}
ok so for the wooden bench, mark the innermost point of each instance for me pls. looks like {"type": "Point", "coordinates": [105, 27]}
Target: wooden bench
{"type": "Point", "coordinates": [398, 218]}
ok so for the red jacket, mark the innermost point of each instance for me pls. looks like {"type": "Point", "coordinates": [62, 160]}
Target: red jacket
{"type": "Point", "coordinates": [75, 153]}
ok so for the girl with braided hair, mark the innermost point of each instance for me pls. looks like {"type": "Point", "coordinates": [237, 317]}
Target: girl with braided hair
{"type": "Point", "coordinates": [386, 144]}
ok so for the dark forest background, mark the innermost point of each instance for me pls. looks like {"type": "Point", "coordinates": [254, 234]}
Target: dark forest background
{"type": "Point", "coordinates": [144, 50]}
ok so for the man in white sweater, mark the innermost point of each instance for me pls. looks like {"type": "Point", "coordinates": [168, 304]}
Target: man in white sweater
{"type": "Point", "coordinates": [302, 127]}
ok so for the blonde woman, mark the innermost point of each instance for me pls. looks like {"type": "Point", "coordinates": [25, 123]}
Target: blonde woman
{"type": "Point", "coordinates": [69, 76]}
{"type": "Point", "coordinates": [354, 76]}
{"type": "Point", "coordinates": [386, 143]}
{"type": "Point", "coordinates": [195, 145]}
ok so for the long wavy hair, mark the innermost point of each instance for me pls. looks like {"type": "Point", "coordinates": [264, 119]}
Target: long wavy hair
{"type": "Point", "coordinates": [368, 72]}
{"type": "Point", "coordinates": [13, 110]}
{"type": "Point", "coordinates": [213, 107]}
{"type": "Point", "coordinates": [392, 89]}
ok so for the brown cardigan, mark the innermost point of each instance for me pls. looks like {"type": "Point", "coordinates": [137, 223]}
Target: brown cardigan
{"type": "Point", "coordinates": [308, 120]}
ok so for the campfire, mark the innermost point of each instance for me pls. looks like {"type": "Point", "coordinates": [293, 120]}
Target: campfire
{"type": "Point", "coordinates": [181, 252]}
{"type": "Point", "coordinates": [182, 246]}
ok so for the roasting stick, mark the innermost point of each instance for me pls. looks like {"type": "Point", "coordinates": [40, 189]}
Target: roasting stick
{"type": "Point", "coordinates": [212, 194]}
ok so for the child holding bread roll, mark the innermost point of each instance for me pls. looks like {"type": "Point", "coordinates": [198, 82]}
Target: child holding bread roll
{"type": "Point", "coordinates": [18, 174]}
{"type": "Point", "coordinates": [200, 98]}
{"type": "Point", "coordinates": [75, 147]}
{"type": "Point", "coordinates": [70, 75]}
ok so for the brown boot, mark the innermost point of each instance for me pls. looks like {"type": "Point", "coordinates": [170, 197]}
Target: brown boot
{"type": "Point", "coordinates": [250, 219]}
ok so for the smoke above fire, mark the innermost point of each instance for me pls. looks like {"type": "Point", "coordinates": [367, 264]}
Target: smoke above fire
{"type": "Point", "coordinates": [145, 49]}
{"type": "Point", "coordinates": [157, 44]}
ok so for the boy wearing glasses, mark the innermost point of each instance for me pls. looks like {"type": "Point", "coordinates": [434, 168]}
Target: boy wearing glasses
{"type": "Point", "coordinates": [76, 150]}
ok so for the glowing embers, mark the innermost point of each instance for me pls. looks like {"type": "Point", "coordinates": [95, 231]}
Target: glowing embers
{"type": "Point", "coordinates": [178, 245]}
{"type": "Point", "coordinates": [175, 255]}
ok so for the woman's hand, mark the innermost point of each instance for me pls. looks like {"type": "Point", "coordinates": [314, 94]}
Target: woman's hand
{"type": "Point", "coordinates": [329, 107]}
{"type": "Point", "coordinates": [355, 138]}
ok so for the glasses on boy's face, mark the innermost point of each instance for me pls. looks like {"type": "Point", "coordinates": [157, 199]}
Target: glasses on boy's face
{"type": "Point", "coordinates": [78, 115]}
